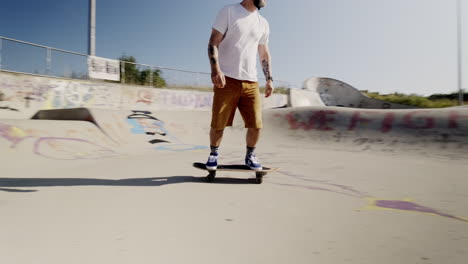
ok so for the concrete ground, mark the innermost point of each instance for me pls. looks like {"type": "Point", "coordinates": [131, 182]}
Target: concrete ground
{"type": "Point", "coordinates": [68, 194]}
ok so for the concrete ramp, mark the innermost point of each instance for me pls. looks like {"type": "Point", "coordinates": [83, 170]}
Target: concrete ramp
{"type": "Point", "coordinates": [426, 132]}
{"type": "Point", "coordinates": [337, 93]}
{"type": "Point", "coordinates": [134, 130]}
{"type": "Point", "coordinates": [112, 123]}
{"type": "Point", "coordinates": [41, 141]}
{"type": "Point", "coordinates": [354, 185]}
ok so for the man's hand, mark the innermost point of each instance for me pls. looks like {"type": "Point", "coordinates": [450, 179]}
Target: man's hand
{"type": "Point", "coordinates": [218, 79]}
{"type": "Point", "coordinates": [269, 89]}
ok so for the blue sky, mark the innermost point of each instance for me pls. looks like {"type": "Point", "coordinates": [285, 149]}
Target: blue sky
{"type": "Point", "coordinates": [386, 46]}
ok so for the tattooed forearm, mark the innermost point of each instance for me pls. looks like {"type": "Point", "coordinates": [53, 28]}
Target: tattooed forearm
{"type": "Point", "coordinates": [266, 69]}
{"type": "Point", "coordinates": [213, 55]}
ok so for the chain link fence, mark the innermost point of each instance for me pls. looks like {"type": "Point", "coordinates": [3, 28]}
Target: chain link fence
{"type": "Point", "coordinates": [24, 57]}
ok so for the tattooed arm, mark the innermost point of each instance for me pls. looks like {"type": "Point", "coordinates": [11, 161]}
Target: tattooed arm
{"type": "Point", "coordinates": [265, 59]}
{"type": "Point", "coordinates": [217, 76]}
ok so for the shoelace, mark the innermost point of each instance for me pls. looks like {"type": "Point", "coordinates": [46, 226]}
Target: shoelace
{"type": "Point", "coordinates": [212, 158]}
{"type": "Point", "coordinates": [253, 159]}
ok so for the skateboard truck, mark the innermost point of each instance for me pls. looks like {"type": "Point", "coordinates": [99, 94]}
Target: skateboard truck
{"type": "Point", "coordinates": [239, 168]}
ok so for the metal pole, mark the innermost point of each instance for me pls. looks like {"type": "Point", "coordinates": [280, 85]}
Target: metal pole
{"type": "Point", "coordinates": [460, 53]}
{"type": "Point", "coordinates": [122, 72]}
{"type": "Point", "coordinates": [1, 46]}
{"type": "Point", "coordinates": [151, 76]}
{"type": "Point", "coordinates": [48, 62]}
{"type": "Point", "coordinates": [92, 28]}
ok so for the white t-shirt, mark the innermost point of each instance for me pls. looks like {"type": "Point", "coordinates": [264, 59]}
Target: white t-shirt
{"type": "Point", "coordinates": [244, 31]}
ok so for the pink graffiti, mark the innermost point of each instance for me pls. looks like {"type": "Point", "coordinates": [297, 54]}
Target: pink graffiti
{"type": "Point", "coordinates": [319, 120]}
{"type": "Point", "coordinates": [413, 207]}
{"type": "Point", "coordinates": [70, 149]}
{"type": "Point", "coordinates": [387, 123]}
{"type": "Point", "coordinates": [8, 132]}
{"type": "Point", "coordinates": [185, 100]}
{"type": "Point", "coordinates": [145, 97]}
{"type": "Point", "coordinates": [419, 120]}
{"type": "Point", "coordinates": [358, 119]}
{"type": "Point", "coordinates": [454, 117]}
{"type": "Point", "coordinates": [56, 147]}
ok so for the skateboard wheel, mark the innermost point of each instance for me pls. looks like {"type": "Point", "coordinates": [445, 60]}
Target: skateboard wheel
{"type": "Point", "coordinates": [259, 177]}
{"type": "Point", "coordinates": [211, 176]}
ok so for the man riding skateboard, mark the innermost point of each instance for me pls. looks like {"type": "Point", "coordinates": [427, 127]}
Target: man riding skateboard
{"type": "Point", "coordinates": [238, 35]}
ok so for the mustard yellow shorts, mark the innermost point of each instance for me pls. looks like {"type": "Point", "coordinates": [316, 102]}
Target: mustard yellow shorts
{"type": "Point", "coordinates": [244, 95]}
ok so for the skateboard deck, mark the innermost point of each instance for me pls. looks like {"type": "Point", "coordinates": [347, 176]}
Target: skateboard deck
{"type": "Point", "coordinates": [239, 168]}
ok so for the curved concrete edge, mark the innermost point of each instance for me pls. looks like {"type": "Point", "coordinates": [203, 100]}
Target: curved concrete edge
{"type": "Point", "coordinates": [445, 131]}
{"type": "Point", "coordinates": [54, 140]}
{"type": "Point", "coordinates": [112, 123]}
{"type": "Point", "coordinates": [21, 96]}
{"type": "Point", "coordinates": [137, 130]}
{"type": "Point", "coordinates": [441, 133]}
{"type": "Point", "coordinates": [337, 93]}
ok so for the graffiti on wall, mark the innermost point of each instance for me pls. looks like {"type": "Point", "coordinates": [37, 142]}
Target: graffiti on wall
{"type": "Point", "coordinates": [147, 98]}
{"type": "Point", "coordinates": [71, 95]}
{"type": "Point", "coordinates": [144, 96]}
{"type": "Point", "coordinates": [181, 99]}
{"type": "Point", "coordinates": [187, 99]}
{"type": "Point", "coordinates": [325, 120]}
{"type": "Point", "coordinates": [58, 148]}
{"type": "Point", "coordinates": [383, 130]}
{"type": "Point", "coordinates": [16, 93]}
{"type": "Point", "coordinates": [143, 122]}
{"type": "Point", "coordinates": [75, 94]}
{"type": "Point", "coordinates": [21, 92]}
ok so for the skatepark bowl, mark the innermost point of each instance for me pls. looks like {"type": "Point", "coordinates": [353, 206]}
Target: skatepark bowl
{"type": "Point", "coordinates": [102, 173]}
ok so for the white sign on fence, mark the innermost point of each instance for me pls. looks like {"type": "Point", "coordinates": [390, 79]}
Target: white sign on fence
{"type": "Point", "coordinates": [101, 68]}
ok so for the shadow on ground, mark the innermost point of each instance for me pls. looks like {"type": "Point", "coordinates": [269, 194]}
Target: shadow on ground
{"type": "Point", "coordinates": [17, 190]}
{"type": "Point", "coordinates": [135, 182]}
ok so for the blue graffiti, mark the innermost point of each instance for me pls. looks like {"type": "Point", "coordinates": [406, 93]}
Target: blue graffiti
{"type": "Point", "coordinates": [158, 128]}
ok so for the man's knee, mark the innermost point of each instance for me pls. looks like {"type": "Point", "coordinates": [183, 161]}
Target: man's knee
{"type": "Point", "coordinates": [256, 130]}
{"type": "Point", "coordinates": [215, 130]}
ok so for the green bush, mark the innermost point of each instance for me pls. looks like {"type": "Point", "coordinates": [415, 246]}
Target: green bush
{"type": "Point", "coordinates": [433, 101]}
{"type": "Point", "coordinates": [132, 75]}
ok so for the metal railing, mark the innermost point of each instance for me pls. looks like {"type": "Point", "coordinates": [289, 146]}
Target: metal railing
{"type": "Point", "coordinates": [30, 58]}
{"type": "Point", "coordinates": [25, 57]}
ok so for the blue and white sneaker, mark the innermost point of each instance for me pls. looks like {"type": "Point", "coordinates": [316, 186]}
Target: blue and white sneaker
{"type": "Point", "coordinates": [252, 162]}
{"type": "Point", "coordinates": [212, 163]}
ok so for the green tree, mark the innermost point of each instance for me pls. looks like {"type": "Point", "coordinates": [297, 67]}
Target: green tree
{"type": "Point", "coordinates": [133, 75]}
{"type": "Point", "coordinates": [129, 72]}
{"type": "Point", "coordinates": [433, 101]}
{"type": "Point", "coordinates": [158, 81]}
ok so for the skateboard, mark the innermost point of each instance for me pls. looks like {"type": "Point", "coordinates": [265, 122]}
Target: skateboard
{"type": "Point", "coordinates": [240, 168]}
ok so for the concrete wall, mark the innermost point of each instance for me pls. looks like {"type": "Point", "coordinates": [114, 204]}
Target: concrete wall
{"type": "Point", "coordinates": [303, 97]}
{"type": "Point", "coordinates": [21, 96]}
{"type": "Point", "coordinates": [425, 131]}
